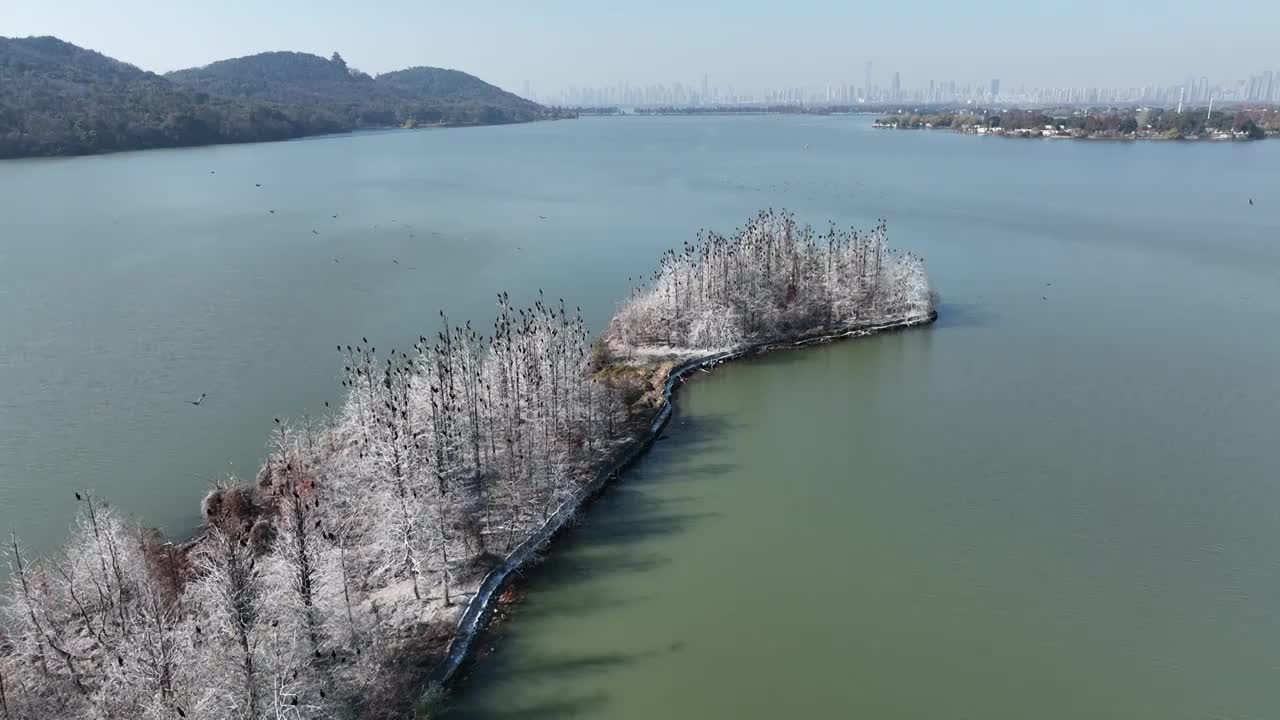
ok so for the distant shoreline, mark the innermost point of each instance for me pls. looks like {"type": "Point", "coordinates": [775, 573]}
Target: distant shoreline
{"type": "Point", "coordinates": [1139, 124]}
{"type": "Point", "coordinates": [1028, 134]}
{"type": "Point", "coordinates": [309, 136]}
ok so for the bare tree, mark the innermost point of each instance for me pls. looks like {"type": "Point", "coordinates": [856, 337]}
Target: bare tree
{"type": "Point", "coordinates": [366, 524]}
{"type": "Point", "coordinates": [770, 281]}
{"type": "Point", "coordinates": [228, 597]}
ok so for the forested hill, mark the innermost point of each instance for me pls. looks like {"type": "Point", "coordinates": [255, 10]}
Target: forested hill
{"type": "Point", "coordinates": [465, 96]}
{"type": "Point", "coordinates": [416, 96]}
{"type": "Point", "coordinates": [60, 99]}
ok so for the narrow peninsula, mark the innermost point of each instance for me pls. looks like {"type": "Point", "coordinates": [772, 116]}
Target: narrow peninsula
{"type": "Point", "coordinates": [350, 579]}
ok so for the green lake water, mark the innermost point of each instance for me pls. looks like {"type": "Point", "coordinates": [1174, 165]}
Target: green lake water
{"type": "Point", "coordinates": [1060, 501]}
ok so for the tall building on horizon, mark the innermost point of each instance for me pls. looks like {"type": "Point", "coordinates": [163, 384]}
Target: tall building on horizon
{"type": "Point", "coordinates": [897, 86]}
{"type": "Point", "coordinates": [995, 87]}
{"type": "Point", "coordinates": [866, 82]}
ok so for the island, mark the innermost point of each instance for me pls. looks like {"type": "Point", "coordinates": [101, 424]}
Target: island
{"type": "Point", "coordinates": [60, 99]}
{"type": "Point", "coordinates": [352, 576]}
{"type": "Point", "coordinates": [1127, 124]}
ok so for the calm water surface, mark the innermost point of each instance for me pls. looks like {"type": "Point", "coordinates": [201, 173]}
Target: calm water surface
{"type": "Point", "coordinates": [1058, 502]}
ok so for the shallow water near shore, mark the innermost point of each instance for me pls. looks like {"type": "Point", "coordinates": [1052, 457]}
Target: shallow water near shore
{"type": "Point", "coordinates": [1057, 502]}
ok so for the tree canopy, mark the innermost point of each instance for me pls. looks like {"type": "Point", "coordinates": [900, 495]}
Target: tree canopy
{"type": "Point", "coordinates": [59, 99]}
{"type": "Point", "coordinates": [423, 94]}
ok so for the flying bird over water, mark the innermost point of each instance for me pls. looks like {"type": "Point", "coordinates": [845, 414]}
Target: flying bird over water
{"type": "Point", "coordinates": [314, 231]}
{"type": "Point", "coordinates": [1250, 201]}
{"type": "Point", "coordinates": [198, 400]}
{"type": "Point", "coordinates": [273, 212]}
{"type": "Point", "coordinates": [337, 261]}
{"type": "Point", "coordinates": [395, 261]}
{"type": "Point", "coordinates": [542, 217]}
{"type": "Point", "coordinates": [257, 184]}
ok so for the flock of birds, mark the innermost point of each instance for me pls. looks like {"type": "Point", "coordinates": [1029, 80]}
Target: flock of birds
{"type": "Point", "coordinates": [783, 188]}
{"type": "Point", "coordinates": [395, 261]}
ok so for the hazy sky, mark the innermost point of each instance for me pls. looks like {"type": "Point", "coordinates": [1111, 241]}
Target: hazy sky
{"type": "Point", "coordinates": [746, 43]}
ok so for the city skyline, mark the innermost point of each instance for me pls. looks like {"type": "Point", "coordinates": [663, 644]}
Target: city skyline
{"type": "Point", "coordinates": [1259, 87]}
{"type": "Point", "coordinates": [557, 44]}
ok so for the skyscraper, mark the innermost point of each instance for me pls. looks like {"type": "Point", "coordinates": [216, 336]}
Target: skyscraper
{"type": "Point", "coordinates": [897, 86]}
{"type": "Point", "coordinates": [995, 87]}
{"type": "Point", "coordinates": [866, 82]}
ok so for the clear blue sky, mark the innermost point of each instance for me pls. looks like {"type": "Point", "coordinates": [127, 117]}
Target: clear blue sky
{"type": "Point", "coordinates": [750, 44]}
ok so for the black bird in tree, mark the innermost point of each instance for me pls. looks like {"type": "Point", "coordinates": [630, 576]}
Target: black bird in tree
{"type": "Point", "coordinates": [198, 400]}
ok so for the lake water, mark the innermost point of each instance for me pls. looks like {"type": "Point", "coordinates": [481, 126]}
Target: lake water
{"type": "Point", "coordinates": [1058, 502]}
